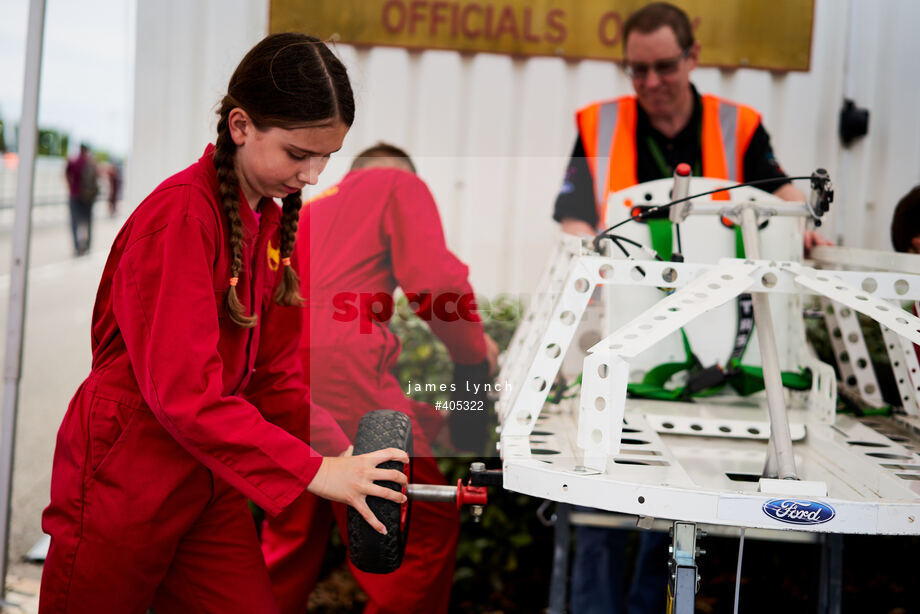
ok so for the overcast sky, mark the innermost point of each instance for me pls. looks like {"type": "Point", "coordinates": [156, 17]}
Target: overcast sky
{"type": "Point", "coordinates": [87, 84]}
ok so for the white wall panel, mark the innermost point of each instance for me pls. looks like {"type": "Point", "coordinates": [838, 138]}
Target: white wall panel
{"type": "Point", "coordinates": [894, 146]}
{"type": "Point", "coordinates": [186, 52]}
{"type": "Point", "coordinates": [491, 134]}
{"type": "Point", "coordinates": [440, 134]}
{"type": "Point", "coordinates": [382, 95]}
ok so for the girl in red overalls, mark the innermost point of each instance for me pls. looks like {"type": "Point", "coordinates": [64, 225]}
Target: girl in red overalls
{"type": "Point", "coordinates": [196, 400]}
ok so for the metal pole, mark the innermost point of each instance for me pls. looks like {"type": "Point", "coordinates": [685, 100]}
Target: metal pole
{"type": "Point", "coordinates": [28, 143]}
{"type": "Point", "coordinates": [769, 356]}
{"type": "Point", "coordinates": [831, 585]}
{"type": "Point", "coordinates": [684, 575]}
{"type": "Point", "coordinates": [560, 575]}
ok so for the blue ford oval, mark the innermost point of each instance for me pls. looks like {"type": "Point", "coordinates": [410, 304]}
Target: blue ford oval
{"type": "Point", "coordinates": [798, 511]}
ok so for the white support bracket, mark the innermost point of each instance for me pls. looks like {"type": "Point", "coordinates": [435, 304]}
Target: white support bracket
{"type": "Point", "coordinates": [827, 283]}
{"type": "Point", "coordinates": [851, 353]}
{"type": "Point", "coordinates": [601, 407]}
{"type": "Point", "coordinates": [822, 397]}
{"type": "Point", "coordinates": [906, 369]}
{"type": "Point", "coordinates": [548, 287]}
{"type": "Point", "coordinates": [521, 408]}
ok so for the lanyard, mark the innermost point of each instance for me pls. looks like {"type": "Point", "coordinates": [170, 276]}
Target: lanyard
{"type": "Point", "coordinates": [663, 167]}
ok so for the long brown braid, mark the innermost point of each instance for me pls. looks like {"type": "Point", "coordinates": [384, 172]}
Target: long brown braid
{"type": "Point", "coordinates": [288, 291]}
{"type": "Point", "coordinates": [229, 186]}
{"type": "Point", "coordinates": [288, 81]}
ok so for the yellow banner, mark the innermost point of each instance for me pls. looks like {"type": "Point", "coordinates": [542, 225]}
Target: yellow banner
{"type": "Point", "coordinates": [772, 34]}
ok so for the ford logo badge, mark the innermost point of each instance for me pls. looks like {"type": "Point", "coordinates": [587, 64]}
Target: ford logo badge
{"type": "Point", "coordinates": [798, 511]}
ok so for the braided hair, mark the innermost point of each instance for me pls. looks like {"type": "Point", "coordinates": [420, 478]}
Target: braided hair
{"type": "Point", "coordinates": [289, 81]}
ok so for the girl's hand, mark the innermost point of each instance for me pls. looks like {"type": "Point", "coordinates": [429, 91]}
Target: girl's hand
{"type": "Point", "coordinates": [350, 479]}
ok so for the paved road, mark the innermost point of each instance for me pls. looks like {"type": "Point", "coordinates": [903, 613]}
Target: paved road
{"type": "Point", "coordinates": [56, 358]}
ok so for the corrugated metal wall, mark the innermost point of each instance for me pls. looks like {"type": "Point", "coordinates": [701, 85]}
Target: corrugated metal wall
{"type": "Point", "coordinates": [491, 134]}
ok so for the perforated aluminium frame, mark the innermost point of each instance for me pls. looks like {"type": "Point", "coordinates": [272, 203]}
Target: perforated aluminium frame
{"type": "Point", "coordinates": [666, 460]}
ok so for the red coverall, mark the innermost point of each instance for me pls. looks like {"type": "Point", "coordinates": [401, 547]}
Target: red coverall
{"type": "Point", "coordinates": [377, 229]}
{"type": "Point", "coordinates": [183, 416]}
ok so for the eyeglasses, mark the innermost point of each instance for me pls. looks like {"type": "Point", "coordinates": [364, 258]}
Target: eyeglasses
{"type": "Point", "coordinates": [662, 68]}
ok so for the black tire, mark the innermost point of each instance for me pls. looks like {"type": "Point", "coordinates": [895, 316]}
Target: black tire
{"type": "Point", "coordinates": [369, 550]}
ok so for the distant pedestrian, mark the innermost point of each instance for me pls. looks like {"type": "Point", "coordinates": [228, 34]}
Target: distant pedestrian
{"type": "Point", "coordinates": [113, 172]}
{"type": "Point", "coordinates": [83, 180]}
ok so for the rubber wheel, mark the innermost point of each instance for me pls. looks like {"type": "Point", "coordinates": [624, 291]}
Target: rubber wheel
{"type": "Point", "coordinates": [369, 550]}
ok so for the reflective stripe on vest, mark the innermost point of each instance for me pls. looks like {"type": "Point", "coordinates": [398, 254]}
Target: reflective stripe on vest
{"type": "Point", "coordinates": [608, 134]}
{"type": "Point", "coordinates": [607, 122]}
{"type": "Point", "coordinates": [727, 116]}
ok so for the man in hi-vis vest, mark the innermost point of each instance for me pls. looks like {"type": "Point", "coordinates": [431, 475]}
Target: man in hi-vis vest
{"type": "Point", "coordinates": [642, 137]}
{"type": "Point", "coordinates": [633, 139]}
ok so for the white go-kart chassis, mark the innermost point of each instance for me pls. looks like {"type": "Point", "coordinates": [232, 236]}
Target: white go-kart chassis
{"type": "Point", "coordinates": [779, 460]}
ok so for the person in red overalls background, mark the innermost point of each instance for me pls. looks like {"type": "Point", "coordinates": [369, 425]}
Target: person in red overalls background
{"type": "Point", "coordinates": [196, 399]}
{"type": "Point", "coordinates": [377, 229]}
{"type": "Point", "coordinates": [113, 173]}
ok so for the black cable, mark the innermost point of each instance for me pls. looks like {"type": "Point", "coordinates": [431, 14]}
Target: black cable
{"type": "Point", "coordinates": [658, 208]}
{"type": "Point", "coordinates": [631, 242]}
{"type": "Point", "coordinates": [616, 241]}
{"type": "Point", "coordinates": [617, 238]}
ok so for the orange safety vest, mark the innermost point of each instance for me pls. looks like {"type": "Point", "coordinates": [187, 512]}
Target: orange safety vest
{"type": "Point", "coordinates": [608, 133]}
